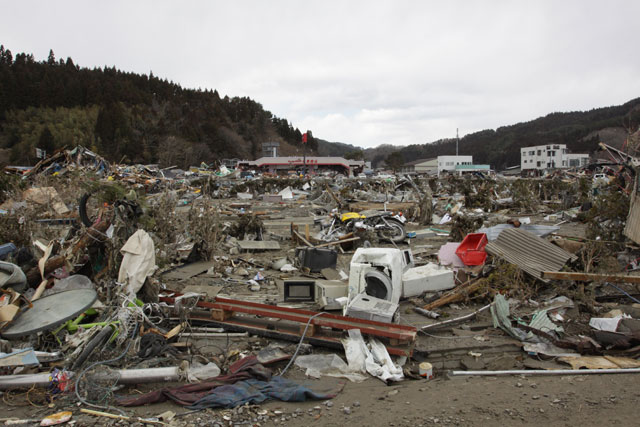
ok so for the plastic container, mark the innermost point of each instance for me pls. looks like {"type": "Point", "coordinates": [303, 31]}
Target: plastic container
{"type": "Point", "coordinates": [426, 370]}
{"type": "Point", "coordinates": [471, 250]}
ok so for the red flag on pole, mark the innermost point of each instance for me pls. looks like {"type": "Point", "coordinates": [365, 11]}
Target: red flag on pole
{"type": "Point", "coordinates": [304, 138]}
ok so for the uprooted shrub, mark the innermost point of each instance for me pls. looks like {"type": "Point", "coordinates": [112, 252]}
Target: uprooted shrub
{"type": "Point", "coordinates": [509, 279]}
{"type": "Point", "coordinates": [525, 194]}
{"type": "Point", "coordinates": [247, 224]}
{"type": "Point", "coordinates": [607, 218]}
{"type": "Point", "coordinates": [203, 227]}
{"type": "Point", "coordinates": [16, 229]}
{"type": "Point", "coordinates": [463, 225]}
{"type": "Point", "coordinates": [477, 194]}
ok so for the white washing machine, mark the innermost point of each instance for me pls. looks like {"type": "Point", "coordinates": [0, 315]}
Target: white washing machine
{"type": "Point", "coordinates": [377, 272]}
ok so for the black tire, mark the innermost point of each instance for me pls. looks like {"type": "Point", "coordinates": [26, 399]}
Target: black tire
{"type": "Point", "coordinates": [98, 341]}
{"type": "Point", "coordinates": [395, 231]}
{"type": "Point", "coordinates": [82, 210]}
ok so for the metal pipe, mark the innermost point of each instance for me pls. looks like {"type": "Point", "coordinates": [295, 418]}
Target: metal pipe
{"type": "Point", "coordinates": [10, 382]}
{"type": "Point", "coordinates": [214, 334]}
{"type": "Point", "coordinates": [540, 372]}
{"type": "Point", "coordinates": [126, 376]}
{"type": "Point", "coordinates": [457, 319]}
{"type": "Point", "coordinates": [427, 313]}
{"type": "Point", "coordinates": [204, 329]}
{"type": "Point", "coordinates": [149, 375]}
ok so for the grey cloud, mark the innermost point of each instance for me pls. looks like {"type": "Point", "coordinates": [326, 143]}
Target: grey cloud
{"type": "Point", "coordinates": [364, 72]}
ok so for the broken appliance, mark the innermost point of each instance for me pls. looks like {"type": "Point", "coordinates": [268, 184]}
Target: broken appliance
{"type": "Point", "coordinates": [426, 278]}
{"type": "Point", "coordinates": [315, 259]}
{"type": "Point", "coordinates": [389, 274]}
{"type": "Point", "coordinates": [299, 290]}
{"type": "Point", "coordinates": [377, 272]}
{"type": "Point", "coordinates": [372, 308]}
{"type": "Point", "coordinates": [328, 293]}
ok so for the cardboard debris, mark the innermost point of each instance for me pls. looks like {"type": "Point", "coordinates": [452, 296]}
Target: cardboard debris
{"type": "Point", "coordinates": [46, 196]}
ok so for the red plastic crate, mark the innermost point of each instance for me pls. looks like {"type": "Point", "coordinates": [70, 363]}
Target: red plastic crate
{"type": "Point", "coordinates": [471, 250]}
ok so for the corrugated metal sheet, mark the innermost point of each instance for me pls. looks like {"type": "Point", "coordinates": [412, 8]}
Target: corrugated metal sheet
{"type": "Point", "coordinates": [539, 230]}
{"type": "Point", "coordinates": [529, 252]}
{"type": "Point", "coordinates": [632, 228]}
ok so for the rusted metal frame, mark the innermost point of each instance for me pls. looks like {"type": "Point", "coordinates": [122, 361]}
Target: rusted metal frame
{"type": "Point", "coordinates": [317, 340]}
{"type": "Point", "coordinates": [370, 327]}
{"type": "Point", "coordinates": [325, 320]}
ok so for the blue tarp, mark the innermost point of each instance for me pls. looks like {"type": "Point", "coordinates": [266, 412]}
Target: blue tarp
{"type": "Point", "coordinates": [256, 391]}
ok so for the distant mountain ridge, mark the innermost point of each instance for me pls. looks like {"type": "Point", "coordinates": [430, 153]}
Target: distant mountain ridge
{"type": "Point", "coordinates": [139, 118]}
{"type": "Point", "coordinates": [500, 148]}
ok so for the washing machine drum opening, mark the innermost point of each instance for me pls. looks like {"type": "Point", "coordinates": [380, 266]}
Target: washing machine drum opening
{"type": "Point", "coordinates": [378, 285]}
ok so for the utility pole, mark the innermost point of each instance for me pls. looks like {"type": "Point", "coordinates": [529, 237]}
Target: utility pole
{"type": "Point", "coordinates": [457, 141]}
{"type": "Point", "coordinates": [304, 153]}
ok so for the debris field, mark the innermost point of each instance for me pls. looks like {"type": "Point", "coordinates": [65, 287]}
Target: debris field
{"type": "Point", "coordinates": [134, 295]}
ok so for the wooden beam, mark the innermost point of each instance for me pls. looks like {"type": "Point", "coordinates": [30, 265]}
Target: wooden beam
{"type": "Point", "coordinates": [459, 293]}
{"type": "Point", "coordinates": [333, 195]}
{"type": "Point", "coordinates": [590, 277]}
{"type": "Point", "coordinates": [337, 242]}
{"type": "Point", "coordinates": [301, 238]}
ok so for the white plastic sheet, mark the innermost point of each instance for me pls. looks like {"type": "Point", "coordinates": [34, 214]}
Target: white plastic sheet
{"type": "Point", "coordinates": [607, 324]}
{"type": "Point", "coordinates": [374, 360]}
{"type": "Point", "coordinates": [331, 365]}
{"type": "Point", "coordinates": [138, 262]}
{"type": "Point", "coordinates": [198, 372]}
{"type": "Point", "coordinates": [287, 194]}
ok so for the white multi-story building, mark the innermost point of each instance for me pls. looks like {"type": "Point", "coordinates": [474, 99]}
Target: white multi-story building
{"type": "Point", "coordinates": [552, 156]}
{"type": "Point", "coordinates": [449, 163]}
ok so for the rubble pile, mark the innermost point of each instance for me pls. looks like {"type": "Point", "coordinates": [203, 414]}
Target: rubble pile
{"type": "Point", "coordinates": [129, 285]}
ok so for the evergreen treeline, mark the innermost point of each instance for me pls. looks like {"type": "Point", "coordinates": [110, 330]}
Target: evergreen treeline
{"type": "Point", "coordinates": [126, 116]}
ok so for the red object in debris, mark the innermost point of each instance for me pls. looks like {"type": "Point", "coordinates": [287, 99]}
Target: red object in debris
{"type": "Point", "coordinates": [471, 250]}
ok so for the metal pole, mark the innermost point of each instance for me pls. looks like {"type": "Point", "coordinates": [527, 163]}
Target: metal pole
{"type": "Point", "coordinates": [457, 141]}
{"type": "Point", "coordinates": [547, 372]}
{"type": "Point", "coordinates": [452, 321]}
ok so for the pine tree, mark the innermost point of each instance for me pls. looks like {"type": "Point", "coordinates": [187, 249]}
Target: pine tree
{"type": "Point", "coordinates": [51, 60]}
{"type": "Point", "coordinates": [47, 141]}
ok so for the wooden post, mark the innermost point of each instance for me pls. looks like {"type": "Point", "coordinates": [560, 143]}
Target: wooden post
{"type": "Point", "coordinates": [590, 277]}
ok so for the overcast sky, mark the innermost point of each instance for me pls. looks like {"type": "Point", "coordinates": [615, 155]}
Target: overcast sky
{"type": "Point", "coordinates": [363, 72]}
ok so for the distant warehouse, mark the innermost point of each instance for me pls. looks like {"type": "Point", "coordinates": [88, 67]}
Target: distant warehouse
{"type": "Point", "coordinates": [444, 164]}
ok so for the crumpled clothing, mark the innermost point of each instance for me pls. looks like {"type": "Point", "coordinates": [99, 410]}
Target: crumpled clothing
{"type": "Point", "coordinates": [185, 395]}
{"type": "Point", "coordinates": [256, 391]}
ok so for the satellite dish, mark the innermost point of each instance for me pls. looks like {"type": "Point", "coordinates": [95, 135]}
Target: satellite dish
{"type": "Point", "coordinates": [51, 311]}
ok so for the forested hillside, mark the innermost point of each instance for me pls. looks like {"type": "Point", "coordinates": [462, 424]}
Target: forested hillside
{"type": "Point", "coordinates": [127, 116]}
{"type": "Point", "coordinates": [138, 118]}
{"type": "Point", "coordinates": [501, 147]}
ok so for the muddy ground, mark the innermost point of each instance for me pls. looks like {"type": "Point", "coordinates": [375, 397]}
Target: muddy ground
{"type": "Point", "coordinates": [488, 401]}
